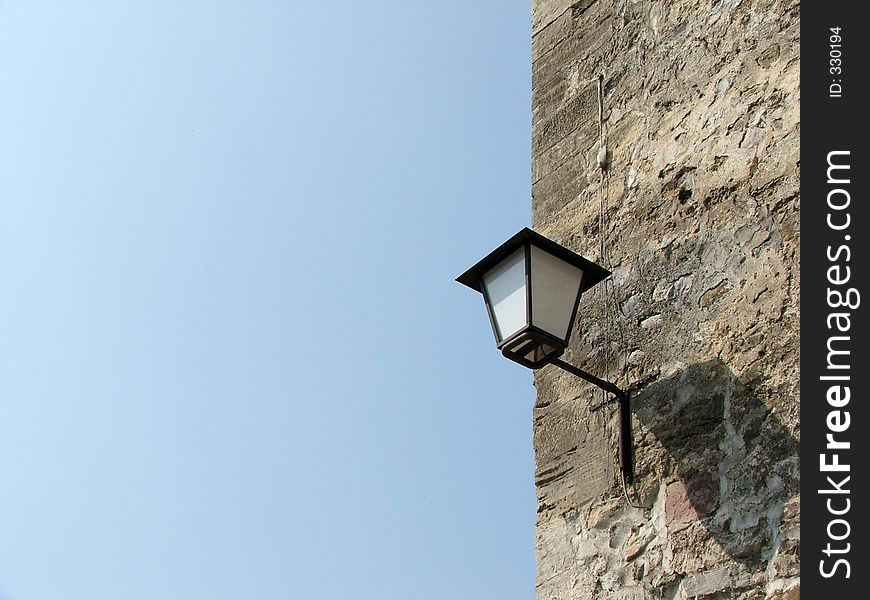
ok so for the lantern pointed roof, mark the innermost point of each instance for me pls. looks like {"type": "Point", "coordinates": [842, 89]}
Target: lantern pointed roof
{"type": "Point", "coordinates": [592, 273]}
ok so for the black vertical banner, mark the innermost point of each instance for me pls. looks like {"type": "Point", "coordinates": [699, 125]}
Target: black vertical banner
{"type": "Point", "coordinates": [835, 366]}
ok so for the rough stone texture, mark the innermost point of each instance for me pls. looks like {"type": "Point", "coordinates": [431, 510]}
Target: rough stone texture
{"type": "Point", "coordinates": [687, 501]}
{"type": "Point", "coordinates": [697, 217]}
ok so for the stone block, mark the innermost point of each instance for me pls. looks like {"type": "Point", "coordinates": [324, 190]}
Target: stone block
{"type": "Point", "coordinates": [691, 500]}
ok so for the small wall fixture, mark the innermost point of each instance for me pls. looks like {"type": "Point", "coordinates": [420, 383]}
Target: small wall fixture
{"type": "Point", "coordinates": [532, 288]}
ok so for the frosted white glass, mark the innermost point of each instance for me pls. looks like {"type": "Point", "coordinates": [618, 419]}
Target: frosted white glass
{"type": "Point", "coordinates": [555, 285]}
{"type": "Point", "coordinates": [506, 288]}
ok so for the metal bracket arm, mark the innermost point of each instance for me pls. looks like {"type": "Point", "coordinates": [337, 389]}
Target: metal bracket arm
{"type": "Point", "coordinates": [626, 448]}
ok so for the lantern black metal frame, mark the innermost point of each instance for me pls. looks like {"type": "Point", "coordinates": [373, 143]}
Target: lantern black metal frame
{"type": "Point", "coordinates": [531, 339]}
{"type": "Point", "coordinates": [533, 347]}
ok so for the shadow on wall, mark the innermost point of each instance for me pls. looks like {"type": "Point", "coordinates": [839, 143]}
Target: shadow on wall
{"type": "Point", "coordinates": [733, 463]}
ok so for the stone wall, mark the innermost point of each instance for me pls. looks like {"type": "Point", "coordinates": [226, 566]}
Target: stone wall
{"type": "Point", "coordinates": [697, 215]}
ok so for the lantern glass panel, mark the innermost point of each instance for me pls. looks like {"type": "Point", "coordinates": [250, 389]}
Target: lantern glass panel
{"type": "Point", "coordinates": [506, 290]}
{"type": "Point", "coordinates": [555, 288]}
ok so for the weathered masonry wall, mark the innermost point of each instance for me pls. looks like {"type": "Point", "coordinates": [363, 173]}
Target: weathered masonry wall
{"type": "Point", "coordinates": [697, 215]}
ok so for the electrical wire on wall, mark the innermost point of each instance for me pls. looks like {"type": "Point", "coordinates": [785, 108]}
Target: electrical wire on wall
{"type": "Point", "coordinates": [611, 320]}
{"type": "Point", "coordinates": [601, 158]}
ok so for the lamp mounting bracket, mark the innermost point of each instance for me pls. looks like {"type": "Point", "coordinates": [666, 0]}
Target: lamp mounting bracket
{"type": "Point", "coordinates": [626, 448]}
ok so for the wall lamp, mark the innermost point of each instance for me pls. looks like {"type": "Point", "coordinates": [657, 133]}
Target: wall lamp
{"type": "Point", "coordinates": [532, 287]}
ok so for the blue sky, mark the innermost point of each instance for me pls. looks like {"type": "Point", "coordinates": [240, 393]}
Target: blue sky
{"type": "Point", "coordinates": [233, 359]}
